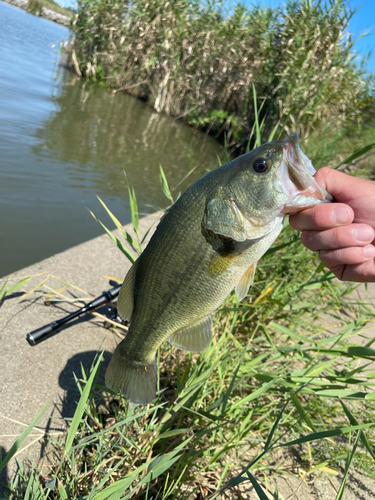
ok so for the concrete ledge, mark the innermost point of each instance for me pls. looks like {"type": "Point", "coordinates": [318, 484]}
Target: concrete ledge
{"type": "Point", "coordinates": [32, 376]}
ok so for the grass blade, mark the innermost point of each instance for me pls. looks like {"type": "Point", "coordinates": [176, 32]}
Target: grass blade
{"type": "Point", "coordinates": [134, 210]}
{"type": "Point", "coordinates": [256, 394]}
{"type": "Point", "coordinates": [274, 427]}
{"type": "Point", "coordinates": [360, 351]}
{"type": "Point", "coordinates": [116, 489]}
{"type": "Point", "coordinates": [226, 154]}
{"type": "Point", "coordinates": [349, 459]}
{"type": "Point", "coordinates": [230, 388]}
{"type": "Point", "coordinates": [81, 408]}
{"type": "Point", "coordinates": [354, 421]}
{"type": "Point", "coordinates": [258, 141]}
{"type": "Point", "coordinates": [330, 433]}
{"type": "Point", "coordinates": [22, 438]}
{"type": "Point", "coordinates": [115, 220]}
{"type": "Point", "coordinates": [257, 487]}
{"type": "Point", "coordinates": [3, 290]}
{"type": "Point", "coordinates": [164, 185]}
{"type": "Point", "coordinates": [273, 132]}
{"type": "Point", "coordinates": [302, 412]}
{"type": "Point", "coordinates": [120, 245]}
{"type": "Point", "coordinates": [357, 154]}
{"type": "Point", "coordinates": [119, 226]}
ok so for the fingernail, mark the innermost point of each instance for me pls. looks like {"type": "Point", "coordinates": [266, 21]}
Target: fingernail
{"type": "Point", "coordinates": [369, 252]}
{"type": "Point", "coordinates": [341, 214]}
{"type": "Point", "coordinates": [364, 233]}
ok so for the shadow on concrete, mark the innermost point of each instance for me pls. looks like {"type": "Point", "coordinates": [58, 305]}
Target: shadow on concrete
{"type": "Point", "coordinates": [75, 366]}
{"type": "Point", "coordinates": [79, 363]}
{"type": "Point", "coordinates": [11, 296]}
{"type": "Point", "coordinates": [83, 360]}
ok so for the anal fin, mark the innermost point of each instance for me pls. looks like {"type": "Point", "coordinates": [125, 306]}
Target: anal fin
{"type": "Point", "coordinates": [195, 337]}
{"type": "Point", "coordinates": [245, 282]}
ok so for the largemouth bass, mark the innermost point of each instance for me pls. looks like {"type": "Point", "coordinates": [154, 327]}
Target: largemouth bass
{"type": "Point", "coordinates": [207, 244]}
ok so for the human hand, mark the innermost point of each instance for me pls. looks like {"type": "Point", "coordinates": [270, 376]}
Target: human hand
{"type": "Point", "coordinates": [344, 232]}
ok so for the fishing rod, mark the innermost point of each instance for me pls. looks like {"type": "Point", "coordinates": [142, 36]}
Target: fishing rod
{"type": "Point", "coordinates": [46, 331]}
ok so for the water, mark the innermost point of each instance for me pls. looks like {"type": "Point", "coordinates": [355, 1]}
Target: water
{"type": "Point", "coordinates": [63, 140]}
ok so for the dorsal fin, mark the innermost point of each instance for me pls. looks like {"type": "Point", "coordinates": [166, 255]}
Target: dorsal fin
{"type": "Point", "coordinates": [125, 302]}
{"type": "Point", "coordinates": [245, 282]}
{"type": "Point", "coordinates": [195, 337]}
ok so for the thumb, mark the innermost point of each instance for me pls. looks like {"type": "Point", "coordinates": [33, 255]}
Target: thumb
{"type": "Point", "coordinates": [344, 188]}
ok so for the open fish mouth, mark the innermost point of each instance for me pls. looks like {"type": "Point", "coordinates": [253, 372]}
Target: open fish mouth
{"type": "Point", "coordinates": [295, 178]}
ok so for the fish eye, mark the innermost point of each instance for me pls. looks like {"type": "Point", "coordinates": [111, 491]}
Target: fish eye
{"type": "Point", "coordinates": [261, 165]}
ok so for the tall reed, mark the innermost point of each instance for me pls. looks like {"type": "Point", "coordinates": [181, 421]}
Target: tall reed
{"type": "Point", "coordinates": [199, 60]}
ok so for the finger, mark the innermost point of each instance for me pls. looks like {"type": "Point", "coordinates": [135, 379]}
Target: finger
{"type": "Point", "coordinates": [336, 183]}
{"type": "Point", "coordinates": [322, 217]}
{"type": "Point", "coordinates": [360, 273]}
{"type": "Point", "coordinates": [350, 256]}
{"type": "Point", "coordinates": [338, 237]}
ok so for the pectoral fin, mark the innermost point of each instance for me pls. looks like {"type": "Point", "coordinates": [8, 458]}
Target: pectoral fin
{"type": "Point", "coordinates": [242, 287]}
{"type": "Point", "coordinates": [221, 260]}
{"type": "Point", "coordinates": [195, 337]}
{"type": "Point", "coordinates": [125, 302]}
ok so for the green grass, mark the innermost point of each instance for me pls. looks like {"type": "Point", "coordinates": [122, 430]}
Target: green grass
{"type": "Point", "coordinates": [4, 290]}
{"type": "Point", "coordinates": [289, 369]}
{"type": "Point", "coordinates": [350, 149]}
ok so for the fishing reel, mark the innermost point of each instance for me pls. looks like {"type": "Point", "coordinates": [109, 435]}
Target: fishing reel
{"type": "Point", "coordinates": [113, 317]}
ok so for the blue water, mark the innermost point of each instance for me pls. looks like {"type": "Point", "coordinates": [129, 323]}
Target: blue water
{"type": "Point", "coordinates": [63, 140]}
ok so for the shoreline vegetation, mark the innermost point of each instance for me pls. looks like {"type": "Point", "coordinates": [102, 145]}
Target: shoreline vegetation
{"type": "Point", "coordinates": [200, 62]}
{"type": "Point", "coordinates": [48, 9]}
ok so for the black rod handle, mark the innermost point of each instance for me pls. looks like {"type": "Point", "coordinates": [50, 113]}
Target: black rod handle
{"type": "Point", "coordinates": [40, 334]}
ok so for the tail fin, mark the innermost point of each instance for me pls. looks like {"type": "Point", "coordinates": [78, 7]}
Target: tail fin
{"type": "Point", "coordinates": [134, 379]}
